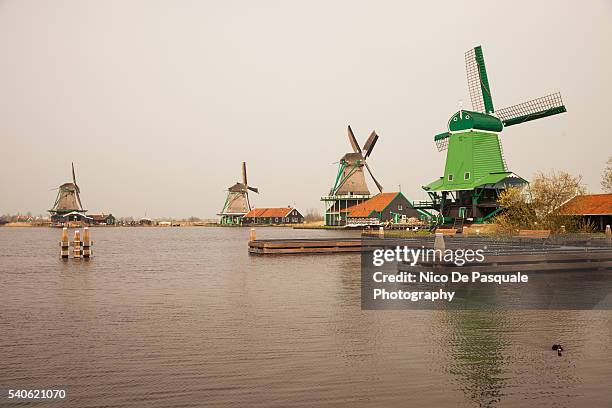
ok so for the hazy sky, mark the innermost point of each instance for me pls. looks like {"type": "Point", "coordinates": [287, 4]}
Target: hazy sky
{"type": "Point", "coordinates": [159, 102]}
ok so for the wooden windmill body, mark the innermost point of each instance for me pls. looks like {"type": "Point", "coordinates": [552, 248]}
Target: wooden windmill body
{"type": "Point", "coordinates": [237, 202]}
{"type": "Point", "coordinates": [350, 187]}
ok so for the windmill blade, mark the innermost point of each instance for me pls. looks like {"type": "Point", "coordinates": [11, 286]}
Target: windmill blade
{"type": "Point", "coordinates": [78, 196]}
{"type": "Point", "coordinates": [441, 140]}
{"type": "Point", "coordinates": [478, 82]}
{"type": "Point", "coordinates": [369, 144]}
{"type": "Point", "coordinates": [244, 174]}
{"type": "Point", "coordinates": [378, 185]}
{"type": "Point", "coordinates": [74, 179]}
{"type": "Point", "coordinates": [353, 141]}
{"type": "Point", "coordinates": [535, 109]}
{"type": "Point", "coordinates": [254, 189]}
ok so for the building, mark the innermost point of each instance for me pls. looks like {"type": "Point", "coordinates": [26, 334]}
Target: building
{"type": "Point", "coordinates": [237, 202]}
{"type": "Point", "coordinates": [273, 216]}
{"type": "Point", "coordinates": [74, 216]}
{"type": "Point", "coordinates": [383, 208]}
{"type": "Point", "coordinates": [67, 206]}
{"type": "Point", "coordinates": [391, 207]}
{"type": "Point", "coordinates": [102, 219]}
{"type": "Point", "coordinates": [145, 221]}
{"type": "Point", "coordinates": [350, 186]}
{"type": "Point", "coordinates": [594, 208]}
{"type": "Point", "coordinates": [475, 171]}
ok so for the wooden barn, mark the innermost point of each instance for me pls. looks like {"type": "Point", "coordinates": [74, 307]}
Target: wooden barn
{"type": "Point", "coordinates": [391, 207]}
{"type": "Point", "coordinates": [102, 219]}
{"type": "Point", "coordinates": [594, 208]}
{"type": "Point", "coordinates": [273, 216]}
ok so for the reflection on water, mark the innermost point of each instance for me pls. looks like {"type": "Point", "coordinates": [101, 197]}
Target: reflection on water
{"type": "Point", "coordinates": [184, 317]}
{"type": "Point", "coordinates": [478, 354]}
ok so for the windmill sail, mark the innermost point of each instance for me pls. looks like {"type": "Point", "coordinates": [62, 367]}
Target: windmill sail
{"type": "Point", "coordinates": [478, 82]}
{"type": "Point", "coordinates": [76, 188]}
{"type": "Point", "coordinates": [535, 109]}
{"type": "Point", "coordinates": [68, 197]}
{"type": "Point", "coordinates": [353, 141]}
{"type": "Point", "coordinates": [351, 177]}
{"type": "Point", "coordinates": [369, 144]}
{"type": "Point", "coordinates": [378, 185]}
{"type": "Point", "coordinates": [237, 201]}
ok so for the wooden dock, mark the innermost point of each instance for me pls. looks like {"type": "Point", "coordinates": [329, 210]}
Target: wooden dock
{"type": "Point", "coordinates": [501, 256]}
{"type": "Point", "coordinates": [307, 246]}
{"type": "Point", "coordinates": [547, 261]}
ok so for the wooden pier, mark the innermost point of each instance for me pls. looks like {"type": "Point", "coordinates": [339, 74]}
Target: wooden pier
{"type": "Point", "coordinates": [547, 261]}
{"type": "Point", "coordinates": [306, 246]}
{"type": "Point", "coordinates": [501, 256]}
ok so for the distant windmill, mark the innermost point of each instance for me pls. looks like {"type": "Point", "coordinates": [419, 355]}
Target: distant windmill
{"type": "Point", "coordinates": [350, 186]}
{"type": "Point", "coordinates": [476, 172]}
{"type": "Point", "coordinates": [68, 199]}
{"type": "Point", "coordinates": [237, 202]}
{"type": "Point", "coordinates": [350, 178]}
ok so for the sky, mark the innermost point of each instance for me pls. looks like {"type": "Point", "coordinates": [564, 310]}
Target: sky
{"type": "Point", "coordinates": [159, 102]}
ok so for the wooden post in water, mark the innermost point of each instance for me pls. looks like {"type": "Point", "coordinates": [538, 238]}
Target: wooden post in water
{"type": "Point", "coordinates": [381, 232]}
{"type": "Point", "coordinates": [563, 229]}
{"type": "Point", "coordinates": [76, 245]}
{"type": "Point", "coordinates": [64, 244]}
{"type": "Point", "coordinates": [87, 243]}
{"type": "Point", "coordinates": [438, 245]}
{"type": "Point", "coordinates": [609, 234]}
{"type": "Point", "coordinates": [439, 242]}
{"type": "Point", "coordinates": [252, 235]}
{"type": "Point", "coordinates": [466, 232]}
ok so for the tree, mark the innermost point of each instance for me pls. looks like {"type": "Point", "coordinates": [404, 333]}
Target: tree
{"type": "Point", "coordinates": [606, 178]}
{"type": "Point", "coordinates": [537, 207]}
{"type": "Point", "coordinates": [550, 191]}
{"type": "Point", "coordinates": [313, 215]}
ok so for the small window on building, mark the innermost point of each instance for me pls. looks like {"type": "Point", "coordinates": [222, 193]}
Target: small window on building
{"type": "Point", "coordinates": [450, 177]}
{"type": "Point", "coordinates": [399, 207]}
{"type": "Point", "coordinates": [466, 175]}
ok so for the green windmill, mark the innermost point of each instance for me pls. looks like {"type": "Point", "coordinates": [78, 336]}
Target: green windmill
{"type": "Point", "coordinates": [475, 172]}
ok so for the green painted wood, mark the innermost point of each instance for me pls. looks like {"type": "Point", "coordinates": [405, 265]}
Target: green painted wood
{"type": "Point", "coordinates": [484, 80]}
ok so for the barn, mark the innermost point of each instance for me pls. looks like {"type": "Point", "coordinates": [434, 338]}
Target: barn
{"type": "Point", "coordinates": [273, 216]}
{"type": "Point", "coordinates": [391, 207]}
{"type": "Point", "coordinates": [594, 208]}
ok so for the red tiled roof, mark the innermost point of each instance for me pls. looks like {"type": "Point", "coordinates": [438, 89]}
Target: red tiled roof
{"type": "Point", "coordinates": [268, 212]}
{"type": "Point", "coordinates": [377, 203]}
{"type": "Point", "coordinates": [592, 204]}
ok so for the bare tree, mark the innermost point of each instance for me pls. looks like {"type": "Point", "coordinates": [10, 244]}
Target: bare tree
{"type": "Point", "coordinates": [538, 207]}
{"type": "Point", "coordinates": [313, 215]}
{"type": "Point", "coordinates": [606, 178]}
{"type": "Point", "coordinates": [550, 191]}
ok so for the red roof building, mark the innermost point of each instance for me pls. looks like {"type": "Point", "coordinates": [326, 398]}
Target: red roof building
{"type": "Point", "coordinates": [282, 215]}
{"type": "Point", "coordinates": [597, 208]}
{"type": "Point", "coordinates": [383, 207]}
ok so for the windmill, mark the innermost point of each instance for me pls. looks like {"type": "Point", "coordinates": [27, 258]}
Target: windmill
{"type": "Point", "coordinates": [476, 171]}
{"type": "Point", "coordinates": [350, 186]}
{"type": "Point", "coordinates": [68, 200]}
{"type": "Point", "coordinates": [237, 201]}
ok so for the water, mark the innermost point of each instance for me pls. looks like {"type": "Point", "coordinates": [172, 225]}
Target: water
{"type": "Point", "coordinates": [184, 317]}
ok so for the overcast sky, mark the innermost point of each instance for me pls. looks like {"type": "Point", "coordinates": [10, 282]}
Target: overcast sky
{"type": "Point", "coordinates": [159, 102]}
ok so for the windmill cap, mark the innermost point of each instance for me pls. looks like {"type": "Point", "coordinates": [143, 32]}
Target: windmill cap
{"type": "Point", "coordinates": [466, 120]}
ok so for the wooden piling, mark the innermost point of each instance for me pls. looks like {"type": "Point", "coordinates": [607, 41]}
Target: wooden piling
{"type": "Point", "coordinates": [252, 235]}
{"type": "Point", "coordinates": [64, 244]}
{"type": "Point", "coordinates": [609, 234]}
{"type": "Point", "coordinates": [439, 242]}
{"type": "Point", "coordinates": [381, 232]}
{"type": "Point", "coordinates": [77, 245]}
{"type": "Point", "coordinates": [87, 244]}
